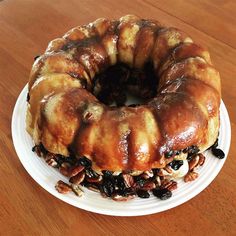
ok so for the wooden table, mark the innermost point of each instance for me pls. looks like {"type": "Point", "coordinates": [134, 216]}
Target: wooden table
{"type": "Point", "coordinates": [25, 29]}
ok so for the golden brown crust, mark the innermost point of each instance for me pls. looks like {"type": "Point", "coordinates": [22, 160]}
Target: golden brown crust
{"type": "Point", "coordinates": [64, 116]}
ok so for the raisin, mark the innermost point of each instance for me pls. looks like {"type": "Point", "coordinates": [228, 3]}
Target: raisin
{"type": "Point", "coordinates": [133, 105]}
{"type": "Point", "coordinates": [84, 161]}
{"type": "Point", "coordinates": [119, 182]}
{"type": "Point", "coordinates": [218, 153]}
{"type": "Point", "coordinates": [169, 154]}
{"type": "Point", "coordinates": [192, 150]}
{"type": "Point", "coordinates": [126, 192]}
{"type": "Point", "coordinates": [91, 173]}
{"type": "Point", "coordinates": [107, 173]}
{"type": "Point", "coordinates": [138, 180]}
{"type": "Point", "coordinates": [176, 164]}
{"type": "Point", "coordinates": [143, 194]}
{"type": "Point", "coordinates": [107, 187]}
{"type": "Point", "coordinates": [71, 160]}
{"type": "Point", "coordinates": [163, 194]}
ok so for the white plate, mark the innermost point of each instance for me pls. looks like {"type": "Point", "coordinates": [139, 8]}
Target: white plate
{"type": "Point", "coordinates": [47, 176]}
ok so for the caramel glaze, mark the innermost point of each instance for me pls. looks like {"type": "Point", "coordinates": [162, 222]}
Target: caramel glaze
{"type": "Point", "coordinates": [67, 118]}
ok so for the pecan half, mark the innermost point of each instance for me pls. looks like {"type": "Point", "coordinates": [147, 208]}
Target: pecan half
{"type": "Point", "coordinates": [77, 190]}
{"type": "Point", "coordinates": [149, 185]}
{"type": "Point", "coordinates": [76, 170]}
{"type": "Point", "coordinates": [190, 176]}
{"type": "Point", "coordinates": [129, 180]}
{"type": "Point", "coordinates": [94, 188]}
{"type": "Point", "coordinates": [62, 187]}
{"type": "Point", "coordinates": [193, 162]}
{"type": "Point", "coordinates": [77, 179]}
{"type": "Point", "coordinates": [168, 169]}
{"type": "Point", "coordinates": [170, 185]}
{"type": "Point", "coordinates": [64, 170]}
{"type": "Point", "coordinates": [201, 159]}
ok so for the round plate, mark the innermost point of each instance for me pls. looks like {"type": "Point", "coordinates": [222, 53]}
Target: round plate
{"type": "Point", "coordinates": [47, 176]}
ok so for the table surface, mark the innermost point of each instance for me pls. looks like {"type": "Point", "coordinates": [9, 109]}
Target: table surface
{"type": "Point", "coordinates": [25, 29]}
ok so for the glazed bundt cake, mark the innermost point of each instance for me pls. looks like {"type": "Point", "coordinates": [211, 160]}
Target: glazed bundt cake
{"type": "Point", "coordinates": [73, 83]}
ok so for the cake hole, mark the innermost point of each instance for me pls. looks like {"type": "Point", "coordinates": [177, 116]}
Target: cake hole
{"type": "Point", "coordinates": [120, 85]}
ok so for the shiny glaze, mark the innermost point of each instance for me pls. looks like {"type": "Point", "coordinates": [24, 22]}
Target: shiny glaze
{"type": "Point", "coordinates": [66, 117]}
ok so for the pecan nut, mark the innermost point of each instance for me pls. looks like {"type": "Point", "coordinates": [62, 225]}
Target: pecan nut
{"type": "Point", "coordinates": [65, 171]}
{"type": "Point", "coordinates": [76, 170]}
{"type": "Point", "coordinates": [201, 159]}
{"type": "Point", "coordinates": [77, 190]}
{"type": "Point", "coordinates": [170, 185]}
{"type": "Point", "coordinates": [193, 162]}
{"type": "Point", "coordinates": [190, 176]}
{"type": "Point", "coordinates": [149, 185]}
{"type": "Point", "coordinates": [129, 180]}
{"type": "Point", "coordinates": [168, 169]}
{"type": "Point", "coordinates": [77, 179]}
{"type": "Point", "coordinates": [62, 187]}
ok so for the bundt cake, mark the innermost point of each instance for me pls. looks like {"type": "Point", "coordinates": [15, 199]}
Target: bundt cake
{"type": "Point", "coordinates": [72, 85]}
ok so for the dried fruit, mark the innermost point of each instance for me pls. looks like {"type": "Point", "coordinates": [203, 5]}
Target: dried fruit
{"type": "Point", "coordinates": [176, 164]}
{"type": "Point", "coordinates": [162, 193]}
{"type": "Point", "coordinates": [91, 173]}
{"type": "Point", "coordinates": [107, 187]}
{"type": "Point", "coordinates": [119, 182]}
{"type": "Point", "coordinates": [133, 105]}
{"type": "Point", "coordinates": [139, 181]}
{"type": "Point", "coordinates": [192, 150]}
{"type": "Point", "coordinates": [169, 154]}
{"type": "Point", "coordinates": [107, 173]}
{"type": "Point", "coordinates": [84, 161]}
{"type": "Point", "coordinates": [143, 194]}
{"type": "Point", "coordinates": [60, 159]}
{"type": "Point", "coordinates": [218, 153]}
{"type": "Point", "coordinates": [40, 150]}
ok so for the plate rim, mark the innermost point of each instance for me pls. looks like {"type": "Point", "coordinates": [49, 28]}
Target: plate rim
{"type": "Point", "coordinates": [119, 212]}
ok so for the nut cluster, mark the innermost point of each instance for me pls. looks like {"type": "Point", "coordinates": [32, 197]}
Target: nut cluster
{"type": "Point", "coordinates": [120, 186]}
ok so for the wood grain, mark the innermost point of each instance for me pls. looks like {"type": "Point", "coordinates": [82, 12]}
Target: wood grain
{"type": "Point", "coordinates": [25, 29]}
